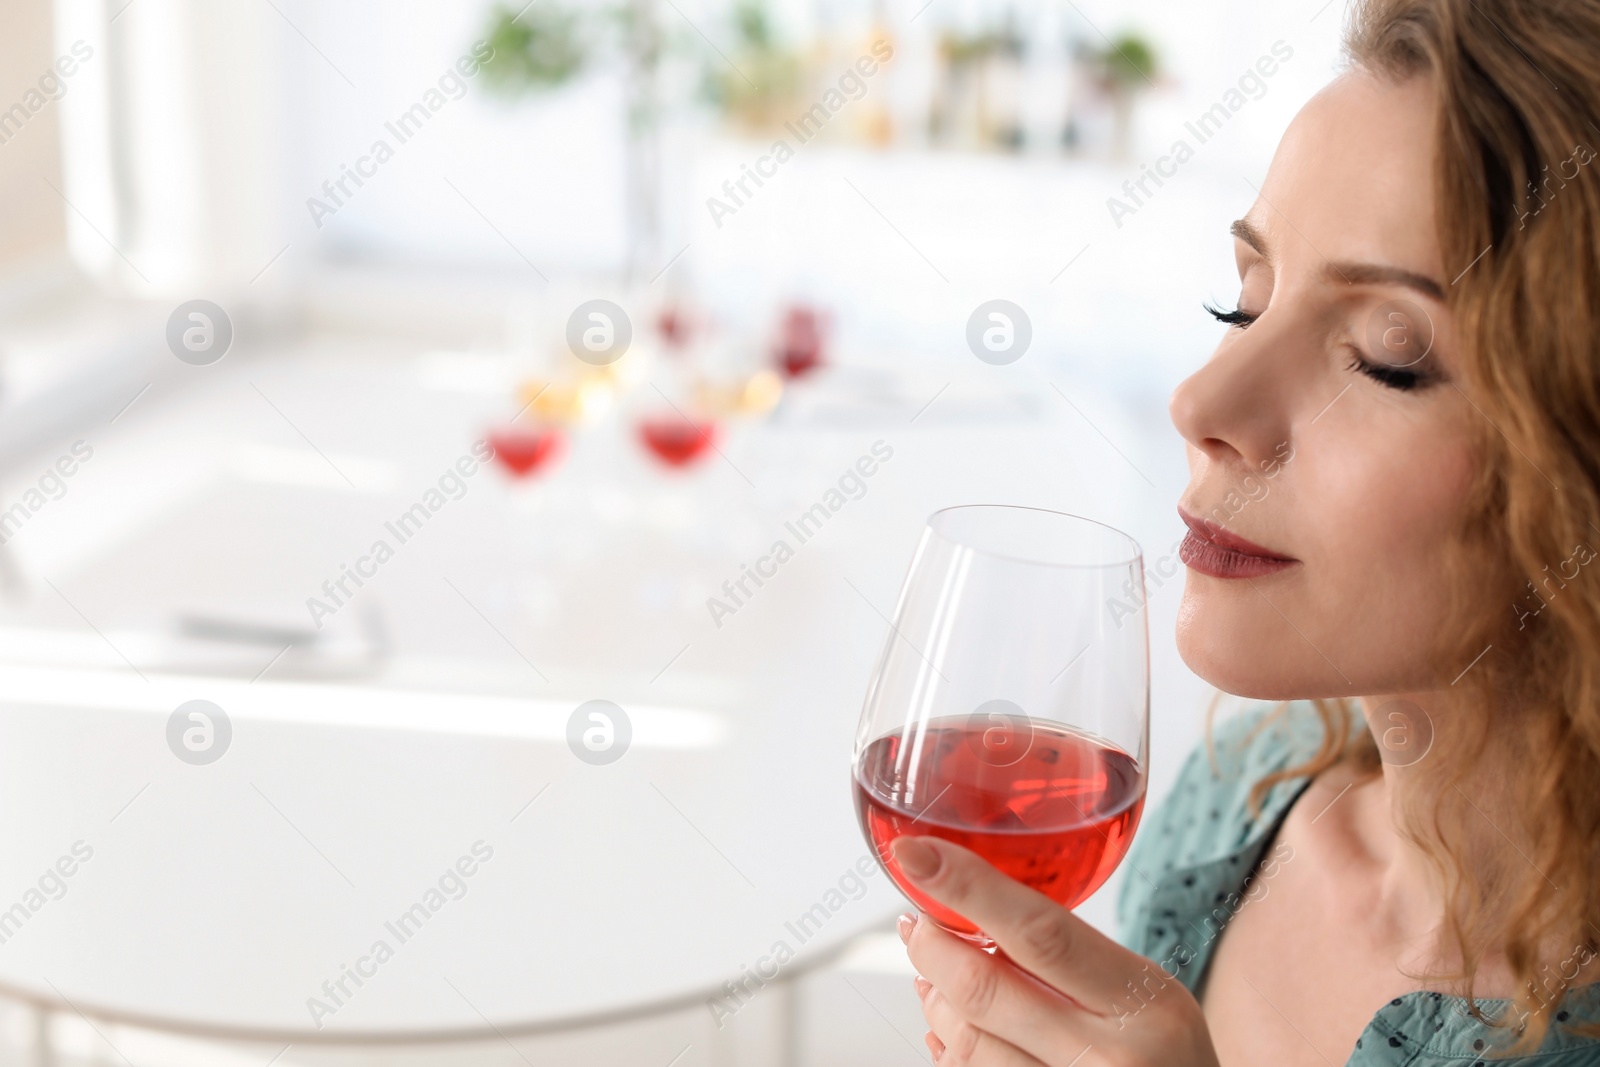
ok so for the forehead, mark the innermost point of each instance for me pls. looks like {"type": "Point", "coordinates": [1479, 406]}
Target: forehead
{"type": "Point", "coordinates": [1353, 177]}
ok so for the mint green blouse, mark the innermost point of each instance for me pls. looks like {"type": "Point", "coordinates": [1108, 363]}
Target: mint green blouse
{"type": "Point", "coordinates": [1186, 877]}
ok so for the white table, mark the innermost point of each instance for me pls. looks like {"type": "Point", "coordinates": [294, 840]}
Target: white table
{"type": "Point", "coordinates": [220, 898]}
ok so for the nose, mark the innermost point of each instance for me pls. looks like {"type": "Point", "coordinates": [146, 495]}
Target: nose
{"type": "Point", "coordinates": [1236, 408]}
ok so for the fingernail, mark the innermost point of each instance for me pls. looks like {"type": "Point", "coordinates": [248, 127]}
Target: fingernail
{"type": "Point", "coordinates": [916, 857]}
{"type": "Point", "coordinates": [935, 1046]}
{"type": "Point", "coordinates": [923, 985]}
{"type": "Point", "coordinates": [905, 925]}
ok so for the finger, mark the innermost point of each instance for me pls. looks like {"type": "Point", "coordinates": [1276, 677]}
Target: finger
{"type": "Point", "coordinates": [966, 1044]}
{"type": "Point", "coordinates": [993, 995]}
{"type": "Point", "coordinates": [1033, 930]}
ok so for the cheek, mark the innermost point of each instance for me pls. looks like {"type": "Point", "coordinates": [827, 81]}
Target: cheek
{"type": "Point", "coordinates": [1368, 513]}
{"type": "Point", "coordinates": [1380, 512]}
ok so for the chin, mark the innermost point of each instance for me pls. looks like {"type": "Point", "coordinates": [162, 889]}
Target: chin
{"type": "Point", "coordinates": [1240, 645]}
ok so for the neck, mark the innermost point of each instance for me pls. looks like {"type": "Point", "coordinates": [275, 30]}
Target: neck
{"type": "Point", "coordinates": [1414, 739]}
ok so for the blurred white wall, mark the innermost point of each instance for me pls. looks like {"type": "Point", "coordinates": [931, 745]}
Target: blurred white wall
{"type": "Point", "coordinates": [174, 149]}
{"type": "Point", "coordinates": [198, 142]}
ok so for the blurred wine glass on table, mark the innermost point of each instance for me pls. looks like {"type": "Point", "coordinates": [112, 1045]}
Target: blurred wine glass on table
{"type": "Point", "coordinates": [677, 439]}
{"type": "Point", "coordinates": [525, 450]}
{"type": "Point", "coordinates": [802, 340]}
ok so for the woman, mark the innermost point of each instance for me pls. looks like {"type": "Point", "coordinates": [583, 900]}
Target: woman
{"type": "Point", "coordinates": [1401, 864]}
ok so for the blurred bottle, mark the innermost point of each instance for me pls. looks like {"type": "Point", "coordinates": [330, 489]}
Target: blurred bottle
{"type": "Point", "coordinates": [874, 119]}
{"type": "Point", "coordinates": [1000, 86]}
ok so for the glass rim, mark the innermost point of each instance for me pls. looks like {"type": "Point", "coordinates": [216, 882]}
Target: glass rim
{"type": "Point", "coordinates": [1136, 555]}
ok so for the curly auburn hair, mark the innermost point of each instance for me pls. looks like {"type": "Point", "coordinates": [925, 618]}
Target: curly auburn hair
{"type": "Point", "coordinates": [1517, 100]}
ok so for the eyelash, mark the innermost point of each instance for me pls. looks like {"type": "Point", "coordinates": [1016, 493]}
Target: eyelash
{"type": "Point", "coordinates": [1402, 380]}
{"type": "Point", "coordinates": [1236, 317]}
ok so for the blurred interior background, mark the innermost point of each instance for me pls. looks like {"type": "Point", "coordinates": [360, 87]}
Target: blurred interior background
{"type": "Point", "coordinates": [392, 212]}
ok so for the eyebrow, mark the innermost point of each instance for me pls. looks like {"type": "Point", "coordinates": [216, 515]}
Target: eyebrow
{"type": "Point", "coordinates": [1374, 274]}
{"type": "Point", "coordinates": [1350, 273]}
{"type": "Point", "coordinates": [1251, 236]}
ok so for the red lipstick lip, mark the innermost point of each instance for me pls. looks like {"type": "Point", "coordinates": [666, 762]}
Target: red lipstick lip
{"type": "Point", "coordinates": [1215, 552]}
{"type": "Point", "coordinates": [1233, 542]}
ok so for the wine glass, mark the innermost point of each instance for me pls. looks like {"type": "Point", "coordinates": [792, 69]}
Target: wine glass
{"type": "Point", "coordinates": [1009, 712]}
{"type": "Point", "coordinates": [677, 439]}
{"type": "Point", "coordinates": [525, 450]}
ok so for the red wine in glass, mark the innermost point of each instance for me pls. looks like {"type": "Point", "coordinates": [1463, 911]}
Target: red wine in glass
{"type": "Point", "coordinates": [677, 441]}
{"type": "Point", "coordinates": [1050, 807]}
{"type": "Point", "coordinates": [524, 450]}
{"type": "Point", "coordinates": [1047, 781]}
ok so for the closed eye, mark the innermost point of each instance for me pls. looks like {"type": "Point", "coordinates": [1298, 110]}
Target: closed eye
{"type": "Point", "coordinates": [1393, 377]}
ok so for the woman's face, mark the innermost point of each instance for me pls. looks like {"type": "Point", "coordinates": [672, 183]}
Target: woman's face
{"type": "Point", "coordinates": [1327, 431]}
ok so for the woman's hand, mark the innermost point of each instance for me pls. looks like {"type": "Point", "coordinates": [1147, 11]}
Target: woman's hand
{"type": "Point", "coordinates": [1061, 995]}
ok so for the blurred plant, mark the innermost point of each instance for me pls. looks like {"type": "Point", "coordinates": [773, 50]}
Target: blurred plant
{"type": "Point", "coordinates": [542, 46]}
{"type": "Point", "coordinates": [754, 25]}
{"type": "Point", "coordinates": [979, 95]}
{"type": "Point", "coordinates": [540, 49]}
{"type": "Point", "coordinates": [1126, 67]}
{"type": "Point", "coordinates": [958, 50]}
{"type": "Point", "coordinates": [762, 75]}
{"type": "Point", "coordinates": [1127, 62]}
